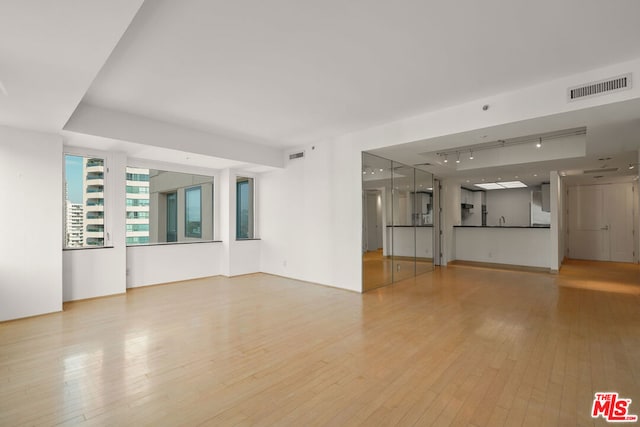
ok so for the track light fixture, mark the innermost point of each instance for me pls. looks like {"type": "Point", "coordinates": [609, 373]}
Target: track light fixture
{"type": "Point", "coordinates": [539, 143]}
{"type": "Point", "coordinates": [458, 159]}
{"type": "Point", "coordinates": [471, 155]}
{"type": "Point", "coordinates": [446, 158]}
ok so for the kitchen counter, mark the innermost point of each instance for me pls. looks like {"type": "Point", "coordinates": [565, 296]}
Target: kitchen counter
{"type": "Point", "coordinates": [523, 246]}
{"type": "Point", "coordinates": [503, 226]}
{"type": "Point", "coordinates": [426, 225]}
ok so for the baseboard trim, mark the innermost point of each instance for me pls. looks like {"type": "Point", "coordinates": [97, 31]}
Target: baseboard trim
{"type": "Point", "coordinates": [499, 266]}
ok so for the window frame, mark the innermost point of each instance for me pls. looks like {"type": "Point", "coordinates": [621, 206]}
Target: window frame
{"type": "Point", "coordinates": [106, 197]}
{"type": "Point", "coordinates": [204, 172]}
{"type": "Point", "coordinates": [251, 232]}
{"type": "Point", "coordinates": [187, 233]}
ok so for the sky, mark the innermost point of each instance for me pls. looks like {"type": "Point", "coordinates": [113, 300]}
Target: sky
{"type": "Point", "coordinates": [73, 174]}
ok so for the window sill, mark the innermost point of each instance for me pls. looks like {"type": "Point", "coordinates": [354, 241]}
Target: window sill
{"type": "Point", "coordinates": [144, 245]}
{"type": "Point", "coordinates": [245, 240]}
{"type": "Point", "coordinates": [87, 248]}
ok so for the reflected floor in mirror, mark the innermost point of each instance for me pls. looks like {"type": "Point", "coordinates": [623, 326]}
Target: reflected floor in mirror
{"type": "Point", "coordinates": [377, 269]}
{"type": "Point", "coordinates": [458, 346]}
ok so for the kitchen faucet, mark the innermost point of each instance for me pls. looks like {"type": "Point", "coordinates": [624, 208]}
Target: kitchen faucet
{"type": "Point", "coordinates": [501, 221]}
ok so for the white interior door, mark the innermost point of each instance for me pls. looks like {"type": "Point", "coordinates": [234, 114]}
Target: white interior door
{"type": "Point", "coordinates": [601, 222]}
{"type": "Point", "coordinates": [619, 203]}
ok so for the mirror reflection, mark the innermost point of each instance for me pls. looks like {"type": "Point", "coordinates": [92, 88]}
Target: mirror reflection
{"type": "Point", "coordinates": [397, 221]}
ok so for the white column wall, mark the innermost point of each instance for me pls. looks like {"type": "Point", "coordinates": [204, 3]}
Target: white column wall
{"type": "Point", "coordinates": [90, 273]}
{"type": "Point", "coordinates": [30, 223]}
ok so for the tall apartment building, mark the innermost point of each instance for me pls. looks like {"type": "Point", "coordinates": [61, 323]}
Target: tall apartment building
{"type": "Point", "coordinates": [93, 201]}
{"type": "Point", "coordinates": [137, 206]}
{"type": "Point", "coordinates": [74, 225]}
{"type": "Point", "coordinates": [137, 193]}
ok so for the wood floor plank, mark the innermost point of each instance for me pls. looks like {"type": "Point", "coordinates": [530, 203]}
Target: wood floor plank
{"type": "Point", "coordinates": [463, 345]}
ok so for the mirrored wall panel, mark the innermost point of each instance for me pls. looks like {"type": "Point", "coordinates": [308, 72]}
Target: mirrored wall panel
{"type": "Point", "coordinates": [423, 221]}
{"type": "Point", "coordinates": [402, 233]}
{"type": "Point", "coordinates": [397, 221]}
{"type": "Point", "coordinates": [377, 218]}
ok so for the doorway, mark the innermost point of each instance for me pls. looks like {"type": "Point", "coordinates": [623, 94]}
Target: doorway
{"type": "Point", "coordinates": [601, 222]}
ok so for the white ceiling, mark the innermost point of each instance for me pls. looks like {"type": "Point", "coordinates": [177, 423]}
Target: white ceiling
{"type": "Point", "coordinates": [291, 72]}
{"type": "Point", "coordinates": [286, 72]}
{"type": "Point", "coordinates": [613, 131]}
{"type": "Point", "coordinates": [50, 52]}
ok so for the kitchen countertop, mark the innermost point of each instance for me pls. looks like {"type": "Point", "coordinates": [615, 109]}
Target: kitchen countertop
{"type": "Point", "coordinates": [503, 226]}
{"type": "Point", "coordinates": [426, 225]}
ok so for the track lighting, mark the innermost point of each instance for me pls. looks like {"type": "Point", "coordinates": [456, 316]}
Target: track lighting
{"type": "Point", "coordinates": [471, 155]}
{"type": "Point", "coordinates": [539, 143]}
{"type": "Point", "coordinates": [446, 158]}
{"type": "Point", "coordinates": [458, 159]}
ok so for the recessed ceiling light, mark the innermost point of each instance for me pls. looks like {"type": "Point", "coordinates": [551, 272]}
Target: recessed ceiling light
{"type": "Point", "coordinates": [516, 177]}
{"type": "Point", "coordinates": [513, 184]}
{"type": "Point", "coordinates": [468, 181]}
{"type": "Point", "coordinates": [490, 186]}
{"type": "Point", "coordinates": [501, 185]}
{"type": "Point", "coordinates": [535, 174]}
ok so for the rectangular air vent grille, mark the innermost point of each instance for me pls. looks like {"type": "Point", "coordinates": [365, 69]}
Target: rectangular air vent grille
{"type": "Point", "coordinates": [299, 155]}
{"type": "Point", "coordinates": [601, 87]}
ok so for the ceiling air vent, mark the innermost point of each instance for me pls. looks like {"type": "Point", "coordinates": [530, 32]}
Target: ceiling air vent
{"type": "Point", "coordinates": [298, 155]}
{"type": "Point", "coordinates": [601, 87]}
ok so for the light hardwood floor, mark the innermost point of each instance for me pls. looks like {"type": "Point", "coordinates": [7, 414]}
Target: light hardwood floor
{"type": "Point", "coordinates": [459, 346]}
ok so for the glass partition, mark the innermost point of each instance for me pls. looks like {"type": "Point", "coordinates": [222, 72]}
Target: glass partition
{"type": "Point", "coordinates": [397, 221]}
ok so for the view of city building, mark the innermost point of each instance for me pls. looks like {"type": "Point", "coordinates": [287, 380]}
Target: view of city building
{"type": "Point", "coordinates": [84, 204]}
{"type": "Point", "coordinates": [137, 206]}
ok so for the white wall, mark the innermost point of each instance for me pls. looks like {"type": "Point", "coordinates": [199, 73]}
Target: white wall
{"type": "Point", "coordinates": [513, 204]}
{"type": "Point", "coordinates": [513, 246]}
{"type": "Point", "coordinates": [154, 264]}
{"type": "Point", "coordinates": [30, 223]}
{"type": "Point", "coordinates": [311, 217]}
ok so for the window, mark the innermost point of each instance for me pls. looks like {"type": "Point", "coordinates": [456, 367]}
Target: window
{"type": "Point", "coordinates": [193, 212]}
{"type": "Point", "coordinates": [244, 208]}
{"type": "Point", "coordinates": [165, 207]}
{"type": "Point", "coordinates": [84, 224]}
